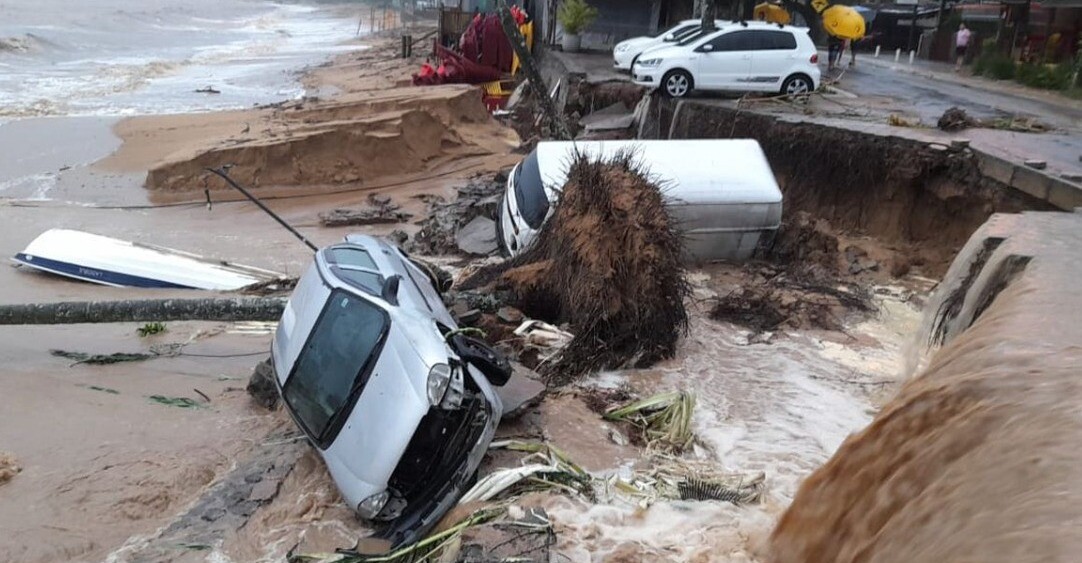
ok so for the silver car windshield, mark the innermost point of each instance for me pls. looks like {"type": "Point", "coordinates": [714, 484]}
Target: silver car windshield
{"type": "Point", "coordinates": [335, 363]}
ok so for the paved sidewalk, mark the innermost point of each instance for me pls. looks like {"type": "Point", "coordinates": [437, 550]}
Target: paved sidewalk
{"type": "Point", "coordinates": [945, 72]}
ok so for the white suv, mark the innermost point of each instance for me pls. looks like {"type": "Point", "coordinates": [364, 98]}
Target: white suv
{"type": "Point", "coordinates": [745, 57]}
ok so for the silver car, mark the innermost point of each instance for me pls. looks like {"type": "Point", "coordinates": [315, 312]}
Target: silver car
{"type": "Point", "coordinates": [372, 367]}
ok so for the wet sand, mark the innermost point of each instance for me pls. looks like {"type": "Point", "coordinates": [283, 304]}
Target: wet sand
{"type": "Point", "coordinates": [102, 465]}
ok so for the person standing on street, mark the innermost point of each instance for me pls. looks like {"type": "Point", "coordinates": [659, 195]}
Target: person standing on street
{"type": "Point", "coordinates": [834, 51]}
{"type": "Point", "coordinates": [961, 43]}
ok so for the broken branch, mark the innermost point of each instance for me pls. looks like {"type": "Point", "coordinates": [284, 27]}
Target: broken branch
{"type": "Point", "coordinates": [140, 310]}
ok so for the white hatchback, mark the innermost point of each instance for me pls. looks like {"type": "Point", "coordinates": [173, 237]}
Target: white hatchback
{"type": "Point", "coordinates": [740, 57]}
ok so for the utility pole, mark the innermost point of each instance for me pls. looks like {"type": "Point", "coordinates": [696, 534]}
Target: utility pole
{"type": "Point", "coordinates": [518, 43]}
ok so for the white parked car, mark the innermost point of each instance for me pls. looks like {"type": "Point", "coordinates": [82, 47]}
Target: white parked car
{"type": "Point", "coordinates": [741, 57]}
{"type": "Point", "coordinates": [625, 52]}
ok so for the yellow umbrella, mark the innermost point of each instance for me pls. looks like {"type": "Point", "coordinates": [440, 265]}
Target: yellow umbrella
{"type": "Point", "coordinates": [772, 13]}
{"type": "Point", "coordinates": [843, 22]}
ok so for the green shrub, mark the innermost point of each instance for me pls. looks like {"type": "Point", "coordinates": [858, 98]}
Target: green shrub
{"type": "Point", "coordinates": [576, 15]}
{"type": "Point", "coordinates": [1000, 67]}
{"type": "Point", "coordinates": [1048, 77]}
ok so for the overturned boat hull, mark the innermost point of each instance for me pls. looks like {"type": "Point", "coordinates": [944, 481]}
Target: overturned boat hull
{"type": "Point", "coordinates": [118, 263]}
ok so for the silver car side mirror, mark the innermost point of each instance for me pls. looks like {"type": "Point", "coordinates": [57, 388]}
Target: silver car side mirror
{"type": "Point", "coordinates": [390, 289]}
{"type": "Point", "coordinates": [708, 47]}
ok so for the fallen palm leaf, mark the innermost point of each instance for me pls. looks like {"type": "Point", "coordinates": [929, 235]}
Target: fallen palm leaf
{"type": "Point", "coordinates": [101, 359]}
{"type": "Point", "coordinates": [664, 419]}
{"type": "Point", "coordinates": [179, 402]}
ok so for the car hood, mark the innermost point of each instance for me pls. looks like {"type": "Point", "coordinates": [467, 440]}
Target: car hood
{"type": "Point", "coordinates": [665, 51]}
{"type": "Point", "coordinates": [368, 448]}
{"type": "Point", "coordinates": [634, 42]}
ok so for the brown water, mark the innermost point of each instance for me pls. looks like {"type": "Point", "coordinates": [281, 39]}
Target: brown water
{"type": "Point", "coordinates": [977, 457]}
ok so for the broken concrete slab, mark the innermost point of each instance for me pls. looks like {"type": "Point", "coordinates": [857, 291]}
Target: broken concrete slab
{"type": "Point", "coordinates": [343, 217]}
{"type": "Point", "coordinates": [612, 118]}
{"type": "Point", "coordinates": [509, 315]}
{"type": "Point", "coordinates": [523, 391]}
{"type": "Point", "coordinates": [477, 237]}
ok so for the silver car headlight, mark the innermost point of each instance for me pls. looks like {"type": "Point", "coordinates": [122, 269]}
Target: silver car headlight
{"type": "Point", "coordinates": [371, 506]}
{"type": "Point", "coordinates": [649, 63]}
{"type": "Point", "coordinates": [439, 377]}
{"type": "Point", "coordinates": [622, 48]}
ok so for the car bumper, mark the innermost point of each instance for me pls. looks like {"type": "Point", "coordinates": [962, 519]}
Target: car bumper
{"type": "Point", "coordinates": [622, 61]}
{"type": "Point", "coordinates": [649, 77]}
{"type": "Point", "coordinates": [424, 513]}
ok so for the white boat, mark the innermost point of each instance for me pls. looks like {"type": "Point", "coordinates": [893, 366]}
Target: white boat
{"type": "Point", "coordinates": [119, 263]}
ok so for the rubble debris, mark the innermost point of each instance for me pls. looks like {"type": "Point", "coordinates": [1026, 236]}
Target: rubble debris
{"type": "Point", "coordinates": [479, 198]}
{"type": "Point", "coordinates": [398, 236]}
{"type": "Point", "coordinates": [858, 260]}
{"type": "Point", "coordinates": [207, 90]}
{"type": "Point", "coordinates": [9, 467]}
{"type": "Point", "coordinates": [521, 393]}
{"type": "Point", "coordinates": [956, 119]}
{"type": "Point", "coordinates": [271, 287]}
{"type": "Point", "coordinates": [509, 315]}
{"type": "Point", "coordinates": [899, 121]}
{"type": "Point", "coordinates": [807, 243]}
{"type": "Point", "coordinates": [785, 301]}
{"type": "Point", "coordinates": [179, 402]}
{"type": "Point", "coordinates": [261, 385]}
{"type": "Point", "coordinates": [608, 263]}
{"type": "Point", "coordinates": [381, 211]}
{"type": "Point", "coordinates": [477, 237]}
{"type": "Point", "coordinates": [663, 420]}
{"type": "Point", "coordinates": [229, 504]}
{"type": "Point", "coordinates": [540, 333]}
{"type": "Point", "coordinates": [1036, 164]}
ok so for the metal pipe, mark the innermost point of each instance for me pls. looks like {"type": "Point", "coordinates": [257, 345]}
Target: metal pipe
{"type": "Point", "coordinates": [225, 176]}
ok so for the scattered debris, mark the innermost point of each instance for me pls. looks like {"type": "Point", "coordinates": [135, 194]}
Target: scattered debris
{"type": "Point", "coordinates": [261, 385]}
{"type": "Point", "coordinates": [785, 301]}
{"type": "Point", "coordinates": [509, 315]}
{"type": "Point", "coordinates": [672, 478]}
{"type": "Point", "coordinates": [150, 329]}
{"type": "Point", "coordinates": [540, 333]}
{"type": "Point", "coordinates": [859, 261]}
{"type": "Point", "coordinates": [1036, 164]}
{"type": "Point", "coordinates": [9, 467]}
{"type": "Point", "coordinates": [207, 90]}
{"type": "Point", "coordinates": [103, 389]}
{"type": "Point", "coordinates": [477, 237]}
{"type": "Point", "coordinates": [521, 393]}
{"type": "Point", "coordinates": [381, 211]}
{"type": "Point", "coordinates": [102, 359]}
{"type": "Point", "coordinates": [956, 119]}
{"type": "Point", "coordinates": [1071, 176]}
{"type": "Point", "coordinates": [899, 121]}
{"type": "Point", "coordinates": [664, 420]}
{"type": "Point", "coordinates": [270, 287]}
{"type": "Point", "coordinates": [479, 198]}
{"type": "Point", "coordinates": [179, 402]}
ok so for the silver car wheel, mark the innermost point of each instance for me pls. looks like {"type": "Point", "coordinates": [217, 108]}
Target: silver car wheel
{"type": "Point", "coordinates": [797, 86]}
{"type": "Point", "coordinates": [677, 85]}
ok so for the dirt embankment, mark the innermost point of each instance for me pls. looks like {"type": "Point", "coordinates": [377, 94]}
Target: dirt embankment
{"type": "Point", "coordinates": [355, 139]}
{"type": "Point", "coordinates": [976, 458]}
{"type": "Point", "coordinates": [372, 126]}
{"type": "Point", "coordinates": [922, 200]}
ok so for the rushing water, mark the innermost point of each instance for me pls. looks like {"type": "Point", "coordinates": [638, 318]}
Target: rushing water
{"type": "Point", "coordinates": [976, 458]}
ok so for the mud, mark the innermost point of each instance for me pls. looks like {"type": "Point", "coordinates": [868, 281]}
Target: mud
{"type": "Point", "coordinates": [974, 458]}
